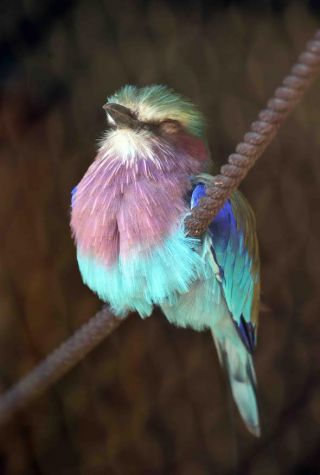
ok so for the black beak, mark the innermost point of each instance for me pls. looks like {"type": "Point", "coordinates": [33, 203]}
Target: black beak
{"type": "Point", "coordinates": [120, 116]}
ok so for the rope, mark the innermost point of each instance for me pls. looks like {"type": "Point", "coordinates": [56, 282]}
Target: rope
{"type": "Point", "coordinates": [262, 131]}
{"type": "Point", "coordinates": [257, 139]}
{"type": "Point", "coordinates": [59, 362]}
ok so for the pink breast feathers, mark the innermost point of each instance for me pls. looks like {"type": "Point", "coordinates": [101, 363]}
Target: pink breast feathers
{"type": "Point", "coordinates": [120, 208]}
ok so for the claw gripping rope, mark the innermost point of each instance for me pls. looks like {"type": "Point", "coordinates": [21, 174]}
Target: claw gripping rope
{"type": "Point", "coordinates": [262, 131]}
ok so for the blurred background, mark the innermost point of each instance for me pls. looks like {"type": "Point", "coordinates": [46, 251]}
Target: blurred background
{"type": "Point", "coordinates": [151, 399]}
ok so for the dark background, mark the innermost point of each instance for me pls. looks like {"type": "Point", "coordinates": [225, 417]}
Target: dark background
{"type": "Point", "coordinates": [151, 399]}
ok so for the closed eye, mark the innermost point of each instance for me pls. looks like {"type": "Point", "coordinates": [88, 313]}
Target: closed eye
{"type": "Point", "coordinates": [167, 126]}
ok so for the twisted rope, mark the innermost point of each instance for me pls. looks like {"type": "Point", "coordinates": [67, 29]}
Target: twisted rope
{"type": "Point", "coordinates": [59, 362]}
{"type": "Point", "coordinates": [69, 353]}
{"type": "Point", "coordinates": [256, 140]}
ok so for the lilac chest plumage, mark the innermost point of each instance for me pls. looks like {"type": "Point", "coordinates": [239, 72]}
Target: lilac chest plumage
{"type": "Point", "coordinates": [127, 219]}
{"type": "Point", "coordinates": [129, 206]}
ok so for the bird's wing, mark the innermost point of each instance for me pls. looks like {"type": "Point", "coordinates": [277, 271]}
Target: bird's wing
{"type": "Point", "coordinates": [234, 247]}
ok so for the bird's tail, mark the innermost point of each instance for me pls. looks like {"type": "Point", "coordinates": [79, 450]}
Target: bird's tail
{"type": "Point", "coordinates": [238, 363]}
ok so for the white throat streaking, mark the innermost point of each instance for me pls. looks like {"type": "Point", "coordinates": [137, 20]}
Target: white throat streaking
{"type": "Point", "coordinates": [128, 145]}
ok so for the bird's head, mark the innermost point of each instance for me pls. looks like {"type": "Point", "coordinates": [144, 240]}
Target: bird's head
{"type": "Point", "coordinates": [140, 120]}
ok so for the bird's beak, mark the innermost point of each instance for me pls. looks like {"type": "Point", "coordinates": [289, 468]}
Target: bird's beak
{"type": "Point", "coordinates": [120, 116]}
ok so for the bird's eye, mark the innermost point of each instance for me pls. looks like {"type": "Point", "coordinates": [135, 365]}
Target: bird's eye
{"type": "Point", "coordinates": [170, 126]}
{"type": "Point", "coordinates": [133, 114]}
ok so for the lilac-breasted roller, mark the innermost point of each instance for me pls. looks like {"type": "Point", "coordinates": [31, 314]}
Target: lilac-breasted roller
{"type": "Point", "coordinates": [127, 219]}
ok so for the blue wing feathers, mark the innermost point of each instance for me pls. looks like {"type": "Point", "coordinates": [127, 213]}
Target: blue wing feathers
{"type": "Point", "coordinates": [233, 258]}
{"type": "Point", "coordinates": [73, 194]}
{"type": "Point", "coordinates": [198, 192]}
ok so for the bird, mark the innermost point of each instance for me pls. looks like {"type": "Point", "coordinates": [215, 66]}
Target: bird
{"type": "Point", "coordinates": [133, 251]}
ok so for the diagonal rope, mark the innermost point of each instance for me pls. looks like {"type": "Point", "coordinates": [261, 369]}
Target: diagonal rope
{"type": "Point", "coordinates": [258, 138]}
{"type": "Point", "coordinates": [262, 131]}
{"type": "Point", "coordinates": [59, 362]}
